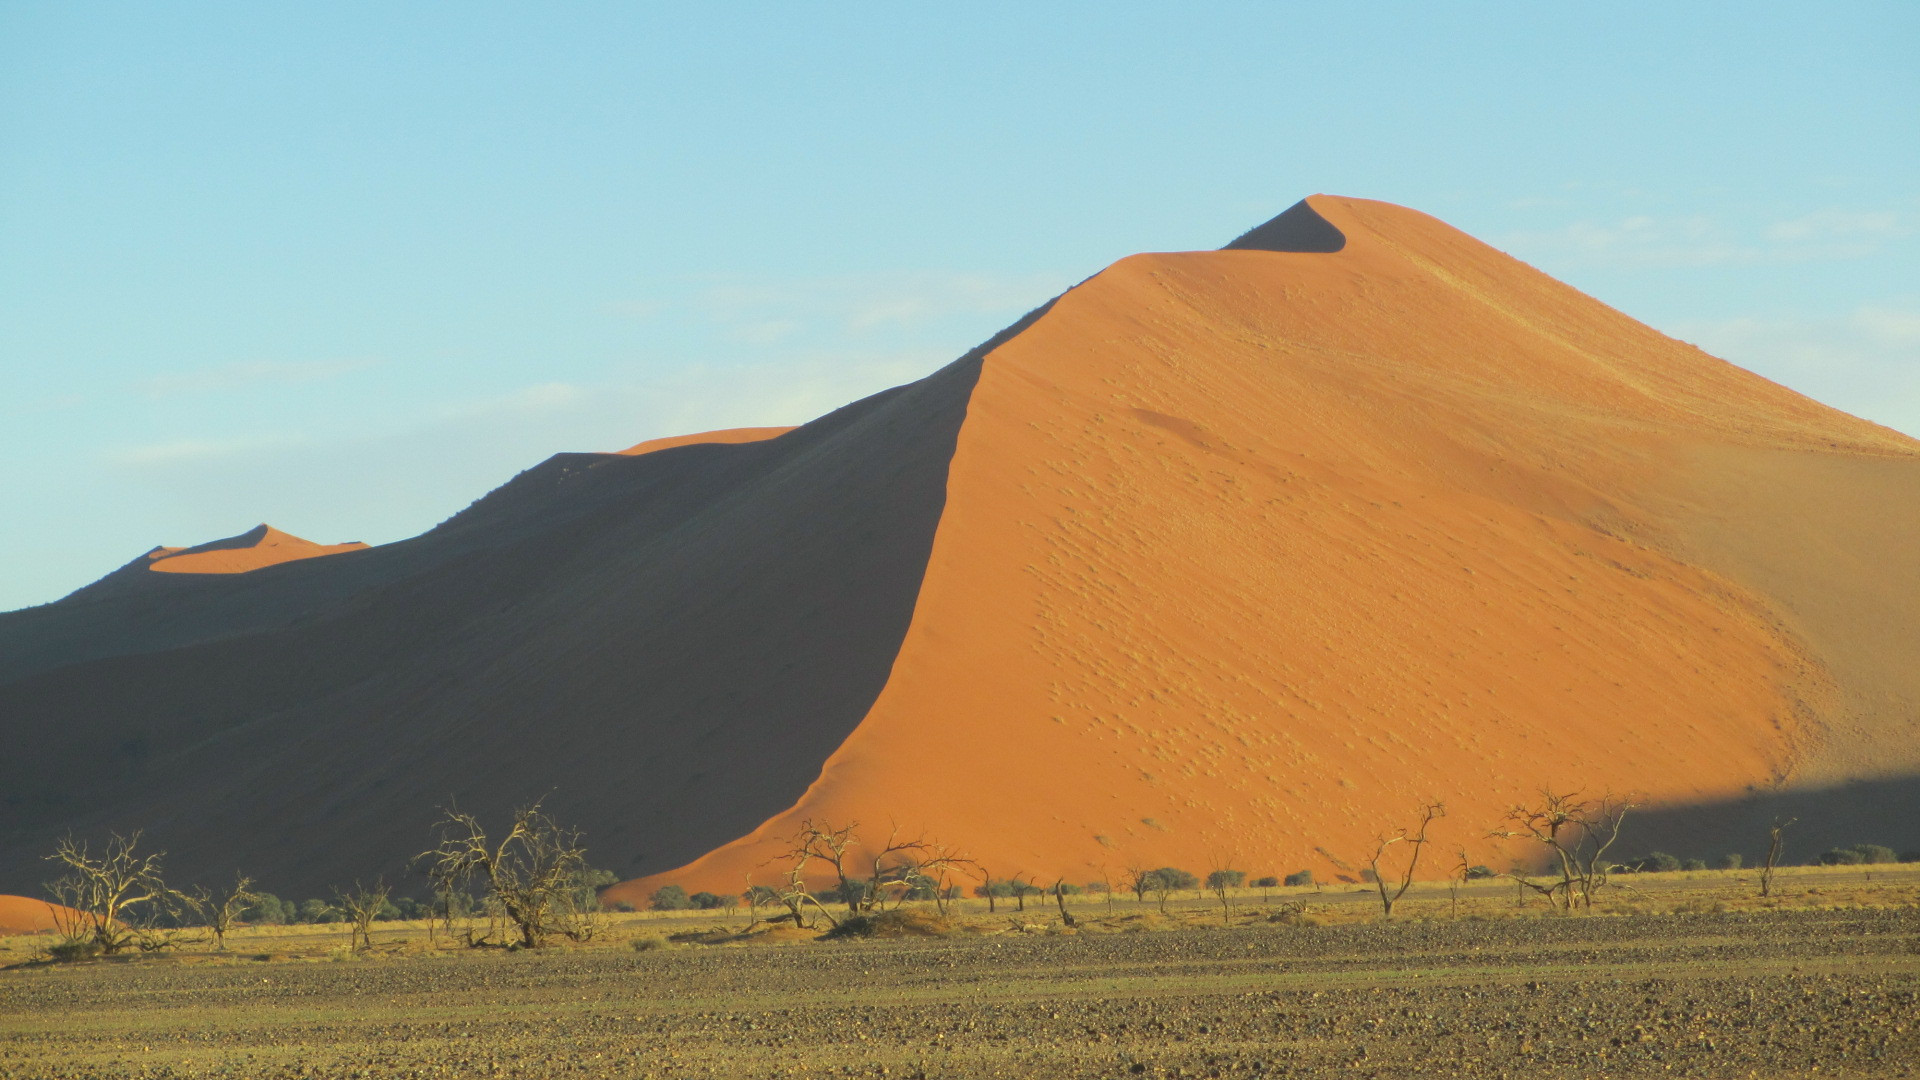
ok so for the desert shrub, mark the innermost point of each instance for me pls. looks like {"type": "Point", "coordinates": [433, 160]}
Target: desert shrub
{"type": "Point", "coordinates": [1268, 882]}
{"type": "Point", "coordinates": [1694, 864]}
{"type": "Point", "coordinates": [994, 889]}
{"type": "Point", "coordinates": [1479, 873]}
{"type": "Point", "coordinates": [621, 905]}
{"type": "Point", "coordinates": [649, 942]}
{"type": "Point", "coordinates": [1655, 862]}
{"type": "Point", "coordinates": [69, 951]}
{"type": "Point", "coordinates": [316, 910]}
{"type": "Point", "coordinates": [705, 901]}
{"type": "Point", "coordinates": [1176, 878]}
{"type": "Point", "coordinates": [1732, 860]}
{"type": "Point", "coordinates": [269, 910]}
{"type": "Point", "coordinates": [1098, 887]}
{"type": "Point", "coordinates": [1226, 879]}
{"type": "Point", "coordinates": [1858, 854]}
{"type": "Point", "coordinates": [1068, 888]}
{"type": "Point", "coordinates": [1300, 877]}
{"type": "Point", "coordinates": [900, 922]}
{"type": "Point", "coordinates": [668, 898]}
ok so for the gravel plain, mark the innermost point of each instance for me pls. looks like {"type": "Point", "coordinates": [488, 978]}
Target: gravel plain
{"type": "Point", "coordinates": [1728, 994]}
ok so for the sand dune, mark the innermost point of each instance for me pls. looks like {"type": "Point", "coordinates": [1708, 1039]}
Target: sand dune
{"type": "Point", "coordinates": [25, 915]}
{"type": "Point", "coordinates": [1248, 551]}
{"type": "Point", "coordinates": [1223, 557]}
{"type": "Point", "coordinates": [724, 435]}
{"type": "Point", "coordinates": [262, 545]}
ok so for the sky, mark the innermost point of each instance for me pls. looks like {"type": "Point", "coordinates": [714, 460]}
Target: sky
{"type": "Point", "coordinates": [345, 268]}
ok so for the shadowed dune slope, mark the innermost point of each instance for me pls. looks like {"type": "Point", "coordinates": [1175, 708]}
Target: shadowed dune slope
{"type": "Point", "coordinates": [670, 642]}
{"type": "Point", "coordinates": [1248, 552]}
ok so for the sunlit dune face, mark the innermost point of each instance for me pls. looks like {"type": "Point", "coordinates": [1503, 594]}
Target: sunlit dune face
{"type": "Point", "coordinates": [26, 915]}
{"type": "Point", "coordinates": [1246, 553]}
{"type": "Point", "coordinates": [725, 435]}
{"type": "Point", "coordinates": [260, 547]}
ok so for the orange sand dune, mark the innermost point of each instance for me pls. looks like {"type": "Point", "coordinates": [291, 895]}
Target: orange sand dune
{"type": "Point", "coordinates": [724, 435]}
{"type": "Point", "coordinates": [25, 915]}
{"type": "Point", "coordinates": [1248, 552]}
{"type": "Point", "coordinates": [1223, 557]}
{"type": "Point", "coordinates": [262, 545]}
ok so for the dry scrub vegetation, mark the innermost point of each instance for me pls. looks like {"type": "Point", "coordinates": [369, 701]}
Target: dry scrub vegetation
{"type": "Point", "coordinates": [1692, 974]}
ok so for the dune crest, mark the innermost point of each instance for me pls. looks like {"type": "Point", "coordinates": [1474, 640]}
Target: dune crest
{"type": "Point", "coordinates": [260, 546]}
{"type": "Point", "coordinates": [728, 436]}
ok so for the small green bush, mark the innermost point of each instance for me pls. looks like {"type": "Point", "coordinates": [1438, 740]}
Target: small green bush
{"type": "Point", "coordinates": [1479, 873]}
{"type": "Point", "coordinates": [649, 943]}
{"type": "Point", "coordinates": [1656, 862]}
{"type": "Point", "coordinates": [1226, 879]}
{"type": "Point", "coordinates": [1858, 854]}
{"type": "Point", "coordinates": [705, 901]}
{"type": "Point", "coordinates": [1694, 864]}
{"type": "Point", "coordinates": [1732, 860]}
{"type": "Point", "coordinates": [319, 911]}
{"type": "Point", "coordinates": [1300, 877]}
{"type": "Point", "coordinates": [1268, 882]}
{"type": "Point", "coordinates": [669, 898]}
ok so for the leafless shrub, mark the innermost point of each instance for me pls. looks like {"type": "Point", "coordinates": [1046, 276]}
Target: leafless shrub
{"type": "Point", "coordinates": [895, 870]}
{"type": "Point", "coordinates": [533, 876]}
{"type": "Point", "coordinates": [361, 905]}
{"type": "Point", "coordinates": [116, 901]}
{"type": "Point", "coordinates": [1416, 841]}
{"type": "Point", "coordinates": [223, 908]}
{"type": "Point", "coordinates": [1577, 834]}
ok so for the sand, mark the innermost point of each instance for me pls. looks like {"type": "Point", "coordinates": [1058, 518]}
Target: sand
{"type": "Point", "coordinates": [1224, 558]}
{"type": "Point", "coordinates": [1246, 553]}
{"type": "Point", "coordinates": [260, 546]}
{"type": "Point", "coordinates": [26, 915]}
{"type": "Point", "coordinates": [728, 436]}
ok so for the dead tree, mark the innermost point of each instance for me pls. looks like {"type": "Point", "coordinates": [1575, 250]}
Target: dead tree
{"type": "Point", "coordinates": [1774, 837]}
{"type": "Point", "coordinates": [894, 870]}
{"type": "Point", "coordinates": [1577, 834]}
{"type": "Point", "coordinates": [223, 908]}
{"type": "Point", "coordinates": [532, 875]}
{"type": "Point", "coordinates": [362, 904]}
{"type": "Point", "coordinates": [116, 901]}
{"type": "Point", "coordinates": [1060, 898]}
{"type": "Point", "coordinates": [1416, 841]}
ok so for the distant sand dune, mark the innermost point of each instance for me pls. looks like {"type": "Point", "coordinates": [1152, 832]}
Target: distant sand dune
{"type": "Point", "coordinates": [26, 915]}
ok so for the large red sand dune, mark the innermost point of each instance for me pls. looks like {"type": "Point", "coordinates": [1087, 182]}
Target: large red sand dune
{"type": "Point", "coordinates": [1225, 557]}
{"type": "Point", "coordinates": [1247, 552]}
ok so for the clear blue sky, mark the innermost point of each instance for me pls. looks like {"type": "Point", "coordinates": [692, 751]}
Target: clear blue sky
{"type": "Point", "coordinates": [346, 267]}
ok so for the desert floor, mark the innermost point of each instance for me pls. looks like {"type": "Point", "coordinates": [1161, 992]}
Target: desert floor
{"type": "Point", "coordinates": [1690, 975]}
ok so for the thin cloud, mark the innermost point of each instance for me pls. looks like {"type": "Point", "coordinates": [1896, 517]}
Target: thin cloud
{"type": "Point", "coordinates": [1866, 361]}
{"type": "Point", "coordinates": [234, 376]}
{"type": "Point", "coordinates": [186, 452]}
{"type": "Point", "coordinates": [1650, 241]}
